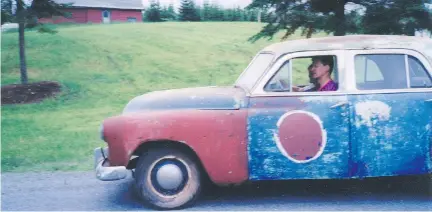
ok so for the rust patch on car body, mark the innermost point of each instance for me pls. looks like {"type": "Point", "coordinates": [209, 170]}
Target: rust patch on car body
{"type": "Point", "coordinates": [222, 150]}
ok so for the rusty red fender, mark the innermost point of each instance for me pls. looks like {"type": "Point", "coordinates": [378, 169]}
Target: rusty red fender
{"type": "Point", "coordinates": [218, 137]}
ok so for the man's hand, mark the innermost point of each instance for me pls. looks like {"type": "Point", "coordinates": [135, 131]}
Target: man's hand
{"type": "Point", "coordinates": [296, 89]}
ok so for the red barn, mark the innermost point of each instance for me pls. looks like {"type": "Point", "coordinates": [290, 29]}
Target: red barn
{"type": "Point", "coordinates": [100, 11]}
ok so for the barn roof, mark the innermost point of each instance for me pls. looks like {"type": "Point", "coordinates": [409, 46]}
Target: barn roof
{"type": "Point", "coordinates": [112, 4]}
{"type": "Point", "coordinates": [420, 44]}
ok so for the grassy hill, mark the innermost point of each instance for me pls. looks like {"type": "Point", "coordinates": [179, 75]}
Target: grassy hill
{"type": "Point", "coordinates": [102, 67]}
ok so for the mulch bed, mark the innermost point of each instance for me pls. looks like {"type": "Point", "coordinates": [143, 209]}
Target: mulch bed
{"type": "Point", "coordinates": [28, 93]}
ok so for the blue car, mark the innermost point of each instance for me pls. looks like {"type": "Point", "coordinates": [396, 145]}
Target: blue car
{"type": "Point", "coordinates": [341, 107]}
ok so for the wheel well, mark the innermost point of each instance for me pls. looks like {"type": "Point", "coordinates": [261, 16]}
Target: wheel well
{"type": "Point", "coordinates": [147, 146]}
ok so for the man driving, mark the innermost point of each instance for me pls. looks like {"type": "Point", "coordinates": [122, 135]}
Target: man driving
{"type": "Point", "coordinates": [320, 75]}
{"type": "Point", "coordinates": [313, 83]}
{"type": "Point", "coordinates": [322, 68]}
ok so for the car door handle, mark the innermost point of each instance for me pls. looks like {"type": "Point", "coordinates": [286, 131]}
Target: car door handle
{"type": "Point", "coordinates": [429, 100]}
{"type": "Point", "coordinates": [339, 104]}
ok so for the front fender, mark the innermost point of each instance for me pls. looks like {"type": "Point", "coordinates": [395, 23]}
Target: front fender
{"type": "Point", "coordinates": [218, 137]}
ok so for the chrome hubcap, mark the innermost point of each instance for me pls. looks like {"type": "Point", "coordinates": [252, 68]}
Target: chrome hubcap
{"type": "Point", "coordinates": [169, 176]}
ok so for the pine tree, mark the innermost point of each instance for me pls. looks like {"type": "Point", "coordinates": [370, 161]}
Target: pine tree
{"type": "Point", "coordinates": [312, 16]}
{"type": "Point", "coordinates": [168, 13]}
{"type": "Point", "coordinates": [227, 15]}
{"type": "Point", "coordinates": [153, 13]}
{"type": "Point", "coordinates": [206, 11]}
{"type": "Point", "coordinates": [6, 11]}
{"type": "Point", "coordinates": [251, 15]}
{"type": "Point", "coordinates": [213, 12]}
{"type": "Point", "coordinates": [188, 11]}
{"type": "Point", "coordinates": [218, 13]}
{"type": "Point", "coordinates": [411, 16]}
{"type": "Point", "coordinates": [171, 12]}
{"type": "Point", "coordinates": [237, 14]}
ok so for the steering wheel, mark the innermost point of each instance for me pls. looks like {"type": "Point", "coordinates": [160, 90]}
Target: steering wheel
{"type": "Point", "coordinates": [282, 84]}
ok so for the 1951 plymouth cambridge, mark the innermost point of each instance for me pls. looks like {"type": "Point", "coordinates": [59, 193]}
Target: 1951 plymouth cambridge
{"type": "Point", "coordinates": [344, 107]}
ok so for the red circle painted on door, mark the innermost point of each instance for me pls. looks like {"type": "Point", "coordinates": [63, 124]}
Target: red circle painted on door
{"type": "Point", "coordinates": [300, 136]}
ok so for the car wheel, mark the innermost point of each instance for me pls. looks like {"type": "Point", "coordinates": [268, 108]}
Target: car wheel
{"type": "Point", "coordinates": [167, 179]}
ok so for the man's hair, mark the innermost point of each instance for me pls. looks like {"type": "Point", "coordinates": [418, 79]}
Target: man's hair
{"type": "Point", "coordinates": [325, 60]}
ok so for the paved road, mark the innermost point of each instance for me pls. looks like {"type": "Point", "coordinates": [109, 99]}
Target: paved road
{"type": "Point", "coordinates": [80, 191]}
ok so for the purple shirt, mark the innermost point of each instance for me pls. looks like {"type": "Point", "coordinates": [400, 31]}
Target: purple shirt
{"type": "Point", "coordinates": [330, 86]}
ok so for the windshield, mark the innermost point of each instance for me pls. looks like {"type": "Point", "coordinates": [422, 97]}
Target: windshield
{"type": "Point", "coordinates": [254, 71]}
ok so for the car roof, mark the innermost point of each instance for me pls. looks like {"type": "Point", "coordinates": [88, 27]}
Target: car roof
{"type": "Point", "coordinates": [353, 42]}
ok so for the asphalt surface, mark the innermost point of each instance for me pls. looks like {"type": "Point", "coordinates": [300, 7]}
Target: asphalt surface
{"type": "Point", "coordinates": [80, 191]}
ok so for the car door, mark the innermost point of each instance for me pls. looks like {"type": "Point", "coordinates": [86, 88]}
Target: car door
{"type": "Point", "coordinates": [391, 112]}
{"type": "Point", "coordinates": [298, 135]}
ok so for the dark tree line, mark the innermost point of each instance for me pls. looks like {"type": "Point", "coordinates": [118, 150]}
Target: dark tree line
{"type": "Point", "coordinates": [189, 11]}
{"type": "Point", "coordinates": [309, 16]}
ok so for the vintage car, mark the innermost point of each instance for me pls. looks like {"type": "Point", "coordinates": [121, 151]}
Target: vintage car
{"type": "Point", "coordinates": [376, 121]}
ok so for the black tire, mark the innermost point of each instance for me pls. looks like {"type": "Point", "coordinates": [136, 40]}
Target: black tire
{"type": "Point", "coordinates": [147, 186]}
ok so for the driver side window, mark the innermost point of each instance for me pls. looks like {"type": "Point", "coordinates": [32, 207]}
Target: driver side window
{"type": "Point", "coordinates": [305, 74]}
{"type": "Point", "coordinates": [281, 80]}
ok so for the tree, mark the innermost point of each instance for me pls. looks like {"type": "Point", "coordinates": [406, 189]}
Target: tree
{"type": "Point", "coordinates": [188, 11]}
{"type": "Point", "coordinates": [251, 15]}
{"type": "Point", "coordinates": [153, 14]}
{"type": "Point", "coordinates": [6, 11]}
{"type": "Point", "coordinates": [411, 16]}
{"type": "Point", "coordinates": [330, 16]}
{"type": "Point", "coordinates": [216, 12]}
{"type": "Point", "coordinates": [353, 21]}
{"type": "Point", "coordinates": [170, 13]}
{"type": "Point", "coordinates": [27, 16]}
{"type": "Point", "coordinates": [206, 11]}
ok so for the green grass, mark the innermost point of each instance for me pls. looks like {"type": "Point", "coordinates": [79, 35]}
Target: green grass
{"type": "Point", "coordinates": [102, 67]}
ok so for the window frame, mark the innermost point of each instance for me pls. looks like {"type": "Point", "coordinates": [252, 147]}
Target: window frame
{"type": "Point", "coordinates": [403, 56]}
{"type": "Point", "coordinates": [340, 56]}
{"type": "Point", "coordinates": [352, 84]}
{"type": "Point", "coordinates": [286, 62]}
{"type": "Point", "coordinates": [429, 75]}
{"type": "Point", "coordinates": [261, 73]}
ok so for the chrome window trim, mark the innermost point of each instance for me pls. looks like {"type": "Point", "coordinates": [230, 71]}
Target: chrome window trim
{"type": "Point", "coordinates": [346, 73]}
{"type": "Point", "coordinates": [340, 62]}
{"type": "Point", "coordinates": [428, 72]}
{"type": "Point", "coordinates": [290, 74]}
{"type": "Point", "coordinates": [407, 71]}
{"type": "Point", "coordinates": [341, 93]}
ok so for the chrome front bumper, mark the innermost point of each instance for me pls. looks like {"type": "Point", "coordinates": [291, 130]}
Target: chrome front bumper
{"type": "Point", "coordinates": [105, 172]}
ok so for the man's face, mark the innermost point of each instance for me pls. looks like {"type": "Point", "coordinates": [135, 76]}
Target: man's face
{"type": "Point", "coordinates": [311, 79]}
{"type": "Point", "coordinates": [319, 70]}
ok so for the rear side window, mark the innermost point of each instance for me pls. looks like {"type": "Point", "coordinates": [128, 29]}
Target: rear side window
{"type": "Point", "coordinates": [419, 77]}
{"type": "Point", "coordinates": [390, 71]}
{"type": "Point", "coordinates": [367, 70]}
